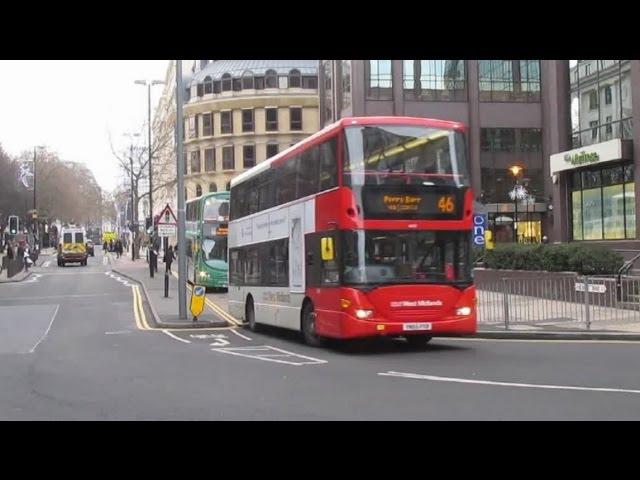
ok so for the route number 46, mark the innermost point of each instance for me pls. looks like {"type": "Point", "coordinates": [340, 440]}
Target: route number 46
{"type": "Point", "coordinates": [446, 204]}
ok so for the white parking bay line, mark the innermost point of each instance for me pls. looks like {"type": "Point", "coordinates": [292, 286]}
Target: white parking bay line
{"type": "Point", "coordinates": [267, 354]}
{"type": "Point", "coordinates": [434, 378]}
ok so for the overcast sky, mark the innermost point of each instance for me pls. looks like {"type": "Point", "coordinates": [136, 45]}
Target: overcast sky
{"type": "Point", "coordinates": [71, 105]}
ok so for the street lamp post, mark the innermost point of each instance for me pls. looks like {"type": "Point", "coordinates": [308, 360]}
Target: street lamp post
{"type": "Point", "coordinates": [182, 250]}
{"type": "Point", "coordinates": [134, 224]}
{"type": "Point", "coordinates": [33, 216]}
{"type": "Point", "coordinates": [515, 194]}
{"type": "Point", "coordinates": [149, 84]}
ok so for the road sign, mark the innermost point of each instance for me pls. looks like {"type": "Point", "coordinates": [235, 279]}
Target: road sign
{"type": "Point", "coordinates": [167, 217]}
{"type": "Point", "coordinates": [593, 288]}
{"type": "Point", "coordinates": [197, 301]}
{"type": "Point", "coordinates": [165, 230]}
{"type": "Point", "coordinates": [479, 226]}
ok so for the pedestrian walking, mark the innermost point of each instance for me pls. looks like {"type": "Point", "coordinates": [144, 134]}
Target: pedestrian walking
{"type": "Point", "coordinates": [169, 257]}
{"type": "Point", "coordinates": [27, 258]}
{"type": "Point", "coordinates": [105, 246]}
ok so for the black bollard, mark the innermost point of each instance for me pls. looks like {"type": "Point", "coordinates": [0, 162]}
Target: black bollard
{"type": "Point", "coordinates": [150, 266]}
{"type": "Point", "coordinates": [166, 284]}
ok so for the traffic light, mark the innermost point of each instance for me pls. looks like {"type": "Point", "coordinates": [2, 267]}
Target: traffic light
{"type": "Point", "coordinates": [13, 225]}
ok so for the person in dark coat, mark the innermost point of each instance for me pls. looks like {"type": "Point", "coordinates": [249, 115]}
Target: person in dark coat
{"type": "Point", "coordinates": [169, 257]}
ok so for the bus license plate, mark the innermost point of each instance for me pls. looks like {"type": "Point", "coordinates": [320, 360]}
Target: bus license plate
{"type": "Point", "coordinates": [416, 326]}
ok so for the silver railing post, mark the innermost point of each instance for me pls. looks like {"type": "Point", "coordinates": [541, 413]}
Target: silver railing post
{"type": "Point", "coordinates": [586, 302]}
{"type": "Point", "coordinates": [505, 302]}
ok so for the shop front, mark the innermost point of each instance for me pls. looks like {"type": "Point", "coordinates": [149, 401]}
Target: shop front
{"type": "Point", "coordinates": [599, 181]}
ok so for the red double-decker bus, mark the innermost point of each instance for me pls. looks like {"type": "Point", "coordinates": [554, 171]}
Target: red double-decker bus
{"type": "Point", "coordinates": [362, 229]}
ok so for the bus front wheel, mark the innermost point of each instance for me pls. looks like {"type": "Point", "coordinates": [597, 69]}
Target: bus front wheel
{"type": "Point", "coordinates": [250, 316]}
{"type": "Point", "coordinates": [309, 334]}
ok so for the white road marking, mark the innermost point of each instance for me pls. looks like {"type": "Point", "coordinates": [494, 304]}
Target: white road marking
{"type": "Point", "coordinates": [166, 332]}
{"type": "Point", "coordinates": [240, 335]}
{"type": "Point", "coordinates": [34, 278]}
{"type": "Point", "coordinates": [47, 331]}
{"type": "Point", "coordinates": [503, 384]}
{"type": "Point", "coordinates": [117, 332]}
{"type": "Point", "coordinates": [46, 264]}
{"type": "Point", "coordinates": [39, 297]}
{"type": "Point", "coordinates": [220, 339]}
{"type": "Point", "coordinates": [267, 357]}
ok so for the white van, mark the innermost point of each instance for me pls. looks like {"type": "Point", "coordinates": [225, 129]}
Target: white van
{"type": "Point", "coordinates": [72, 247]}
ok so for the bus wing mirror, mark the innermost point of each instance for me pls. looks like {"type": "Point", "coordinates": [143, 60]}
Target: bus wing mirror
{"type": "Point", "coordinates": [326, 246]}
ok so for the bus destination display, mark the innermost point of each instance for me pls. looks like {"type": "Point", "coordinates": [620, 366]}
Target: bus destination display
{"type": "Point", "coordinates": [411, 205]}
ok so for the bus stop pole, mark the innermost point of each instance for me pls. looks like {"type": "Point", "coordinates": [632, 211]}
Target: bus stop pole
{"type": "Point", "coordinates": [182, 243]}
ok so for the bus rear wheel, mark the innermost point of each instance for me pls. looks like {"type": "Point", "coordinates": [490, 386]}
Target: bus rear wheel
{"type": "Point", "coordinates": [250, 316]}
{"type": "Point", "coordinates": [418, 340]}
{"type": "Point", "coordinates": [309, 334]}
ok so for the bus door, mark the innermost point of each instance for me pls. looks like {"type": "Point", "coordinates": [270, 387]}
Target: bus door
{"type": "Point", "coordinates": [296, 249]}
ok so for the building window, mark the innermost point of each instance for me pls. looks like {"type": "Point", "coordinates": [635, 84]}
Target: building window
{"type": "Point", "coordinates": [248, 156]}
{"type": "Point", "coordinates": [213, 187]}
{"type": "Point", "coordinates": [509, 80]}
{"type": "Point", "coordinates": [497, 139]}
{"type": "Point", "coordinates": [609, 126]}
{"type": "Point", "coordinates": [607, 95]}
{"type": "Point", "coordinates": [296, 118]}
{"type": "Point", "coordinates": [327, 84]}
{"type": "Point", "coordinates": [228, 162]}
{"type": "Point", "coordinates": [200, 89]}
{"type": "Point", "coordinates": [186, 197]}
{"type": "Point", "coordinates": [226, 121]}
{"type": "Point", "coordinates": [217, 86]}
{"type": "Point", "coordinates": [195, 162]}
{"type": "Point", "coordinates": [198, 190]}
{"type": "Point", "coordinates": [530, 140]}
{"type": "Point", "coordinates": [310, 82]}
{"type": "Point", "coordinates": [193, 127]}
{"type": "Point", "coordinates": [346, 84]}
{"type": "Point", "coordinates": [434, 80]}
{"type": "Point", "coordinates": [594, 129]}
{"type": "Point", "coordinates": [208, 85]}
{"type": "Point", "coordinates": [379, 79]}
{"type": "Point", "coordinates": [226, 82]}
{"type": "Point", "coordinates": [502, 147]}
{"type": "Point", "coordinates": [271, 79]}
{"type": "Point", "coordinates": [185, 162]}
{"type": "Point", "coordinates": [247, 80]}
{"type": "Point", "coordinates": [272, 149]}
{"type": "Point", "coordinates": [603, 203]}
{"type": "Point", "coordinates": [259, 83]}
{"type": "Point", "coordinates": [207, 124]}
{"type": "Point", "coordinates": [228, 186]}
{"type": "Point", "coordinates": [295, 79]}
{"type": "Point", "coordinates": [271, 119]}
{"type": "Point", "coordinates": [237, 84]}
{"type": "Point", "coordinates": [593, 100]}
{"type": "Point", "coordinates": [209, 160]}
{"type": "Point", "coordinates": [247, 120]}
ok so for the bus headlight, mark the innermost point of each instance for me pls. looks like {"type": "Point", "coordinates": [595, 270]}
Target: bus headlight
{"type": "Point", "coordinates": [463, 311]}
{"type": "Point", "coordinates": [362, 314]}
{"type": "Point", "coordinates": [204, 274]}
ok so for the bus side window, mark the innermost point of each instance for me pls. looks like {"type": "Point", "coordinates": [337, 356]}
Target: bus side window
{"type": "Point", "coordinates": [328, 177]}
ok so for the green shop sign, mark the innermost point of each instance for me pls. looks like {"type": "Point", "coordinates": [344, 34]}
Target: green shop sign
{"type": "Point", "coordinates": [581, 158]}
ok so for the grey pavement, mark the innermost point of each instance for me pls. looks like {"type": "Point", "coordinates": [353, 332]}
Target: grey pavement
{"type": "Point", "coordinates": [164, 310]}
{"type": "Point", "coordinates": [88, 360]}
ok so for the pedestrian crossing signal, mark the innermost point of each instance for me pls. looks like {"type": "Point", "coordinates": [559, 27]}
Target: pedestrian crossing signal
{"type": "Point", "coordinates": [13, 225]}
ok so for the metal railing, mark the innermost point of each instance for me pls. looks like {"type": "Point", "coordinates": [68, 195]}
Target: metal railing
{"type": "Point", "coordinates": [555, 301]}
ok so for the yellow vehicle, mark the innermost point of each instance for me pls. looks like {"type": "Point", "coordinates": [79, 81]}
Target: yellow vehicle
{"type": "Point", "coordinates": [72, 247]}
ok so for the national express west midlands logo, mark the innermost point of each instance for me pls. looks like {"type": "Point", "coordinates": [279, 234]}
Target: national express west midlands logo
{"type": "Point", "coordinates": [581, 158]}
